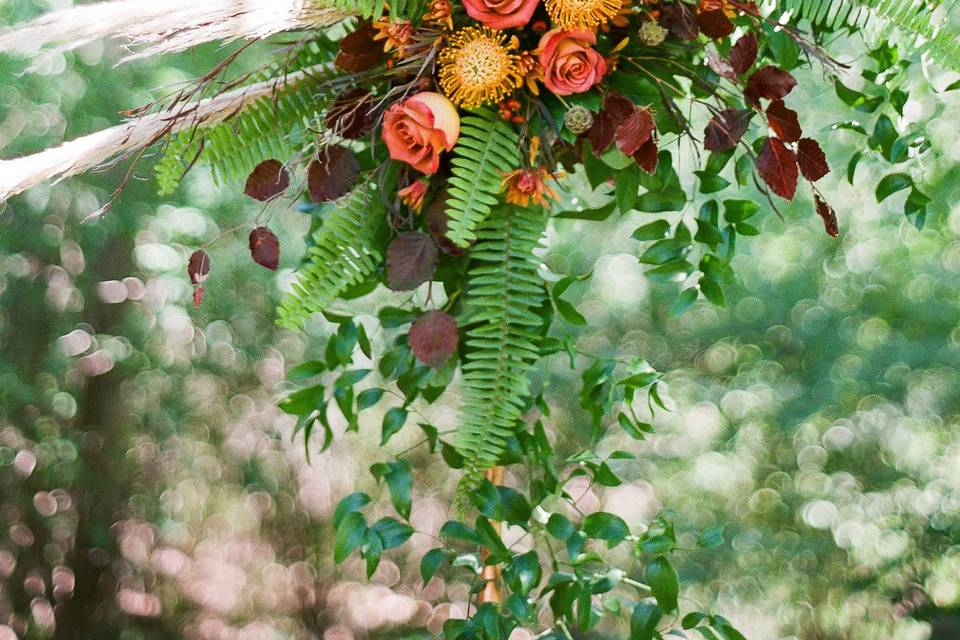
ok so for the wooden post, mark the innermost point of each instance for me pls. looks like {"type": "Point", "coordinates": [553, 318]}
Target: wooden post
{"type": "Point", "coordinates": [491, 573]}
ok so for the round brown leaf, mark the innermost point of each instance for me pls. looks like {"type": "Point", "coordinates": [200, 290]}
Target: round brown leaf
{"type": "Point", "coordinates": [433, 338]}
{"type": "Point", "coordinates": [784, 121]}
{"type": "Point", "coordinates": [268, 180]}
{"type": "Point", "coordinates": [265, 248]}
{"type": "Point", "coordinates": [812, 160]}
{"type": "Point", "coordinates": [770, 82]}
{"type": "Point", "coordinates": [828, 215]}
{"type": "Point", "coordinates": [411, 261]}
{"type": "Point", "coordinates": [635, 131]}
{"type": "Point", "coordinates": [725, 130]}
{"type": "Point", "coordinates": [777, 165]}
{"type": "Point", "coordinates": [332, 174]}
{"type": "Point", "coordinates": [198, 266]}
{"type": "Point", "coordinates": [744, 53]}
{"type": "Point", "coordinates": [437, 221]}
{"type": "Point", "coordinates": [359, 51]}
{"type": "Point", "coordinates": [715, 24]}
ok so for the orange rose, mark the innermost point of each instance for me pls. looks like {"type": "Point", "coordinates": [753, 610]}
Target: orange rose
{"type": "Point", "coordinates": [501, 14]}
{"type": "Point", "coordinates": [418, 129]}
{"type": "Point", "coordinates": [569, 63]}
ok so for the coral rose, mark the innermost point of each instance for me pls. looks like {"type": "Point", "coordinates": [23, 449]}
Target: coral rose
{"type": "Point", "coordinates": [569, 63]}
{"type": "Point", "coordinates": [418, 129]}
{"type": "Point", "coordinates": [501, 14]}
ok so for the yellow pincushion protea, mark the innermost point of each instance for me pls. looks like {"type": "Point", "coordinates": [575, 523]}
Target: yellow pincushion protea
{"type": "Point", "coordinates": [582, 14]}
{"type": "Point", "coordinates": [478, 66]}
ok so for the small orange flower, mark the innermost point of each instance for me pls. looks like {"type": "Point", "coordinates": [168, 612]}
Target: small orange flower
{"type": "Point", "coordinates": [524, 185]}
{"type": "Point", "coordinates": [712, 5]}
{"type": "Point", "coordinates": [439, 13]}
{"type": "Point", "coordinates": [396, 35]}
{"type": "Point", "coordinates": [414, 194]}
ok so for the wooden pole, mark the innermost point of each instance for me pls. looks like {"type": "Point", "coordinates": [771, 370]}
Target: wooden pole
{"type": "Point", "coordinates": [491, 573]}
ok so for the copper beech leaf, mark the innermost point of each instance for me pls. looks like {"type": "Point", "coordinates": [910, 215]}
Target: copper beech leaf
{"type": "Point", "coordinates": [635, 131]}
{"type": "Point", "coordinates": [721, 67]}
{"type": "Point", "coordinates": [359, 51]}
{"type": "Point", "coordinates": [680, 19]}
{"type": "Point", "coordinates": [647, 155]}
{"type": "Point", "coordinates": [777, 165]}
{"type": "Point", "coordinates": [744, 53]}
{"type": "Point", "coordinates": [198, 266]}
{"type": "Point", "coordinates": [828, 215]}
{"type": "Point", "coordinates": [433, 338]}
{"type": "Point", "coordinates": [411, 261]}
{"type": "Point", "coordinates": [265, 248]}
{"type": "Point", "coordinates": [332, 174]}
{"type": "Point", "coordinates": [725, 129]}
{"type": "Point", "coordinates": [784, 121]}
{"type": "Point", "coordinates": [812, 160]}
{"type": "Point", "coordinates": [768, 82]}
{"type": "Point", "coordinates": [715, 24]}
{"type": "Point", "coordinates": [616, 110]}
{"type": "Point", "coordinates": [267, 180]}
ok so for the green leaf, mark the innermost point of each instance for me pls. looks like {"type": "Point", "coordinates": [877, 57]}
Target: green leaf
{"type": "Point", "coordinates": [393, 421]}
{"type": "Point", "coordinates": [430, 563]}
{"type": "Point", "coordinates": [655, 230]}
{"type": "Point", "coordinates": [371, 550]}
{"type": "Point", "coordinates": [523, 572]}
{"type": "Point", "coordinates": [304, 401]}
{"type": "Point", "coordinates": [350, 378]}
{"type": "Point", "coordinates": [350, 533]}
{"type": "Point", "coordinates": [400, 482]}
{"type": "Point", "coordinates": [604, 476]}
{"type": "Point", "coordinates": [739, 210]}
{"type": "Point", "coordinates": [392, 532]}
{"type": "Point", "coordinates": [570, 313]}
{"type": "Point", "coordinates": [605, 526]}
{"type": "Point", "coordinates": [686, 299]}
{"type": "Point", "coordinates": [369, 397]}
{"type": "Point", "coordinates": [891, 184]}
{"type": "Point", "coordinates": [350, 504]}
{"type": "Point", "coordinates": [459, 530]}
{"type": "Point", "coordinates": [627, 187]}
{"type": "Point", "coordinates": [559, 527]}
{"type": "Point", "coordinates": [643, 621]}
{"type": "Point", "coordinates": [662, 579]}
{"type": "Point", "coordinates": [636, 430]}
{"type": "Point", "coordinates": [307, 369]}
{"type": "Point", "coordinates": [711, 537]}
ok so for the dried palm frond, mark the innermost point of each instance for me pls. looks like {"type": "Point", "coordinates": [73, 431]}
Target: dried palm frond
{"type": "Point", "coordinates": [162, 26]}
{"type": "Point", "coordinates": [91, 151]}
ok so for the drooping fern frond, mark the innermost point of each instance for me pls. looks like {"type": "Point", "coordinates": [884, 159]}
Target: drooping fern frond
{"type": "Point", "coordinates": [919, 24]}
{"type": "Point", "coordinates": [343, 255]}
{"type": "Point", "coordinates": [271, 127]}
{"type": "Point", "coordinates": [487, 149]}
{"type": "Point", "coordinates": [503, 293]}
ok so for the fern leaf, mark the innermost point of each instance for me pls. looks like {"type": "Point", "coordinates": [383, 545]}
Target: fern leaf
{"type": "Point", "coordinates": [503, 293]}
{"type": "Point", "coordinates": [487, 149]}
{"type": "Point", "coordinates": [271, 127]}
{"type": "Point", "coordinates": [343, 255]}
{"type": "Point", "coordinates": [916, 24]}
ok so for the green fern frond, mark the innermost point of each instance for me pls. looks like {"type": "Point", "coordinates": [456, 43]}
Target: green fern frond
{"type": "Point", "coordinates": [911, 23]}
{"type": "Point", "coordinates": [361, 8]}
{"type": "Point", "coordinates": [487, 149]}
{"type": "Point", "coordinates": [503, 294]}
{"type": "Point", "coordinates": [343, 255]}
{"type": "Point", "coordinates": [271, 127]}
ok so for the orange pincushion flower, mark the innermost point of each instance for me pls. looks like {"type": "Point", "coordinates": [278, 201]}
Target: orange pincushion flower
{"type": "Point", "coordinates": [478, 66]}
{"type": "Point", "coordinates": [524, 185]}
{"type": "Point", "coordinates": [582, 14]}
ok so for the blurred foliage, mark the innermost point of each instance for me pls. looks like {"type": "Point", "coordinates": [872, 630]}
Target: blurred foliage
{"type": "Point", "coordinates": [149, 487]}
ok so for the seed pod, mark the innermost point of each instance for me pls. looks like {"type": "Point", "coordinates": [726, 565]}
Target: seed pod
{"type": "Point", "coordinates": [578, 119]}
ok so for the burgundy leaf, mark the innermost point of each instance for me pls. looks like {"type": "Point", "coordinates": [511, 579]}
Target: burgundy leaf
{"type": "Point", "coordinates": [721, 67]}
{"type": "Point", "coordinates": [332, 174]}
{"type": "Point", "coordinates": [768, 82]}
{"type": "Point", "coordinates": [725, 129]}
{"type": "Point", "coordinates": [265, 248]}
{"type": "Point", "coordinates": [198, 266]}
{"type": "Point", "coordinates": [715, 24]}
{"type": "Point", "coordinates": [646, 155]}
{"type": "Point", "coordinates": [268, 180]}
{"type": "Point", "coordinates": [616, 109]}
{"type": "Point", "coordinates": [784, 121]}
{"type": "Point", "coordinates": [433, 338]}
{"type": "Point", "coordinates": [411, 261]}
{"type": "Point", "coordinates": [350, 114]}
{"type": "Point", "coordinates": [812, 160]}
{"type": "Point", "coordinates": [436, 218]}
{"type": "Point", "coordinates": [777, 166]}
{"type": "Point", "coordinates": [828, 215]}
{"type": "Point", "coordinates": [681, 21]}
{"type": "Point", "coordinates": [634, 131]}
{"type": "Point", "coordinates": [744, 53]}
{"type": "Point", "coordinates": [198, 296]}
{"type": "Point", "coordinates": [359, 51]}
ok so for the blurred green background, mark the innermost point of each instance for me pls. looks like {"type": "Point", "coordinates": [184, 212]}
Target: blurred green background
{"type": "Point", "coordinates": [149, 487]}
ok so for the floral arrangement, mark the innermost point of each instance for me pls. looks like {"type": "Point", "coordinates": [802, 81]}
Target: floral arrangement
{"type": "Point", "coordinates": [433, 143]}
